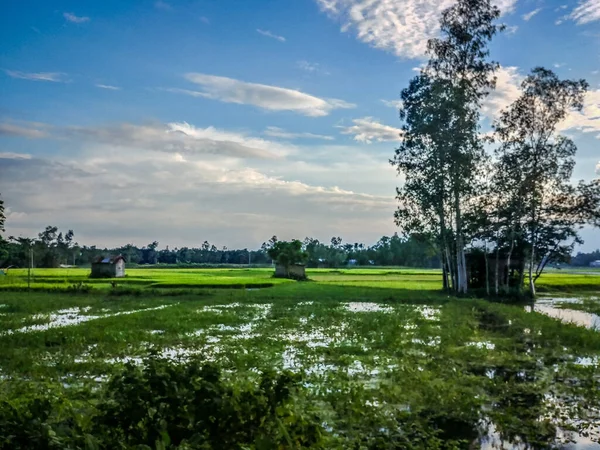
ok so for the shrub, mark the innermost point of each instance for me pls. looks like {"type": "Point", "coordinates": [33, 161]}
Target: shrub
{"type": "Point", "coordinates": [167, 405]}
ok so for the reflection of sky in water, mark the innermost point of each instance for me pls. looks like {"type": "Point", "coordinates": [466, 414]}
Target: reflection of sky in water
{"type": "Point", "coordinates": [581, 318]}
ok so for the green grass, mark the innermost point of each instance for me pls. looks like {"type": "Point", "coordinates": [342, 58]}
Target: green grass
{"type": "Point", "coordinates": [419, 351]}
{"type": "Point", "coordinates": [388, 278]}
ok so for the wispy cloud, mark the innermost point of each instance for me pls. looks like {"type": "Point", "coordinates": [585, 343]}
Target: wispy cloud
{"type": "Point", "coordinates": [508, 82]}
{"type": "Point", "coordinates": [511, 29]}
{"type": "Point", "coordinates": [56, 77]}
{"type": "Point", "coordinates": [529, 15]}
{"type": "Point", "coordinates": [368, 129]}
{"type": "Point", "coordinates": [558, 65]}
{"type": "Point", "coordinates": [400, 27]}
{"type": "Point", "coordinates": [311, 67]}
{"type": "Point", "coordinates": [11, 155]}
{"type": "Point", "coordinates": [271, 35]}
{"type": "Point", "coordinates": [396, 104]}
{"type": "Point", "coordinates": [272, 98]}
{"type": "Point", "coordinates": [598, 168]}
{"type": "Point", "coordinates": [163, 5]}
{"type": "Point", "coordinates": [26, 130]}
{"type": "Point", "coordinates": [281, 133]}
{"type": "Point", "coordinates": [75, 19]}
{"type": "Point", "coordinates": [109, 87]}
{"type": "Point", "coordinates": [587, 11]}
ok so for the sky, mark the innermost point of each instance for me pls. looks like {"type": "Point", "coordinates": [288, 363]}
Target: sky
{"type": "Point", "coordinates": [230, 121]}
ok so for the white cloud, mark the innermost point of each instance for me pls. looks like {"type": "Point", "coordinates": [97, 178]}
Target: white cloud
{"type": "Point", "coordinates": [311, 67]}
{"type": "Point", "coordinates": [281, 133]}
{"type": "Point", "coordinates": [30, 131]}
{"type": "Point", "coordinates": [175, 137]}
{"type": "Point", "coordinates": [109, 87]}
{"type": "Point", "coordinates": [511, 29]}
{"type": "Point", "coordinates": [267, 33]}
{"type": "Point", "coordinates": [75, 19]}
{"type": "Point", "coordinates": [10, 155]}
{"type": "Point", "coordinates": [508, 82]}
{"type": "Point", "coordinates": [109, 199]}
{"type": "Point", "coordinates": [588, 120]}
{"type": "Point", "coordinates": [598, 168]}
{"type": "Point", "coordinates": [163, 5]}
{"type": "Point", "coordinates": [181, 138]}
{"type": "Point", "coordinates": [529, 15]}
{"type": "Point", "coordinates": [396, 104]}
{"type": "Point", "coordinates": [587, 11]}
{"type": "Point", "coordinates": [56, 77]}
{"type": "Point", "coordinates": [400, 27]}
{"type": "Point", "coordinates": [368, 130]}
{"type": "Point", "coordinates": [271, 98]}
{"type": "Point", "coordinates": [558, 65]}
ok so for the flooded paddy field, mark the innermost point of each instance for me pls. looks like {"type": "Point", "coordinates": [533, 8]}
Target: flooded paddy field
{"type": "Point", "coordinates": [380, 367]}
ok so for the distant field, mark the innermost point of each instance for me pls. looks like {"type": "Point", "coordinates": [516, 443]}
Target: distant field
{"type": "Point", "coordinates": [234, 278]}
{"type": "Point", "coordinates": [160, 278]}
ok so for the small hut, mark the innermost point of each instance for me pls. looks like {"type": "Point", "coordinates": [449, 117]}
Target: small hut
{"type": "Point", "coordinates": [294, 271]}
{"type": "Point", "coordinates": [108, 267]}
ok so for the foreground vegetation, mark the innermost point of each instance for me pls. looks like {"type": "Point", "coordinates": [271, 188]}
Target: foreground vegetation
{"type": "Point", "coordinates": [353, 359]}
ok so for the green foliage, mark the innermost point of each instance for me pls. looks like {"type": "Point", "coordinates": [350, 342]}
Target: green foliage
{"type": "Point", "coordinates": [165, 406]}
{"type": "Point", "coordinates": [2, 216]}
{"type": "Point", "coordinates": [288, 254]}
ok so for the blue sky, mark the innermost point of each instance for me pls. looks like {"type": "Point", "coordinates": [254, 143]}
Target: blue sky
{"type": "Point", "coordinates": [182, 121]}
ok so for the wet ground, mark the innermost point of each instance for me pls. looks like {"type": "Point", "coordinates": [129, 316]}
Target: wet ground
{"type": "Point", "coordinates": [508, 364]}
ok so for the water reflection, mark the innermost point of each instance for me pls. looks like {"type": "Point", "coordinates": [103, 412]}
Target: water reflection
{"type": "Point", "coordinates": [581, 318]}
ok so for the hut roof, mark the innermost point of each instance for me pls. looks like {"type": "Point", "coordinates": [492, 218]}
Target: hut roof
{"type": "Point", "coordinates": [108, 259]}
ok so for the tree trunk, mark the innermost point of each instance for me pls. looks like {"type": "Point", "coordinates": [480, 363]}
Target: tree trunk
{"type": "Point", "coordinates": [444, 274]}
{"type": "Point", "coordinates": [450, 269]}
{"type": "Point", "coordinates": [531, 280]}
{"type": "Point", "coordinates": [487, 270]}
{"type": "Point", "coordinates": [512, 246]}
{"type": "Point", "coordinates": [497, 274]}
{"type": "Point", "coordinates": [461, 270]}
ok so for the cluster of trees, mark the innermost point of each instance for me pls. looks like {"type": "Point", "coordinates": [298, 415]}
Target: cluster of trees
{"type": "Point", "coordinates": [515, 205]}
{"type": "Point", "coordinates": [585, 259]}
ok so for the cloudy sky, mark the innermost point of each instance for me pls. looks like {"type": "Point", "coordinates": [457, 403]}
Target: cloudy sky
{"type": "Point", "coordinates": [231, 121]}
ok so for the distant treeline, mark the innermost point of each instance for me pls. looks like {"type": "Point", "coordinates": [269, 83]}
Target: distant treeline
{"type": "Point", "coordinates": [53, 248]}
{"type": "Point", "coordinates": [584, 259]}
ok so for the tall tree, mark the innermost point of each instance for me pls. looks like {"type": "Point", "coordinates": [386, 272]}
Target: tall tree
{"type": "Point", "coordinates": [441, 153]}
{"type": "Point", "coordinates": [3, 243]}
{"type": "Point", "coordinates": [2, 216]}
{"type": "Point", "coordinates": [538, 163]}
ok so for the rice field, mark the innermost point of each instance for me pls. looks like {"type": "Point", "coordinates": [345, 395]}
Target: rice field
{"type": "Point", "coordinates": [374, 348]}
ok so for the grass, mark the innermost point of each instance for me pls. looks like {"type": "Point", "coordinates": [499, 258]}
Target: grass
{"type": "Point", "coordinates": [371, 345]}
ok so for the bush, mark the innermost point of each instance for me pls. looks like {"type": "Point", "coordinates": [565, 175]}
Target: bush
{"type": "Point", "coordinates": [166, 405]}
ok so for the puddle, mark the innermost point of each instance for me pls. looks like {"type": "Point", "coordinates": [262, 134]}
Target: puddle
{"type": "Point", "coordinates": [587, 361]}
{"type": "Point", "coordinates": [482, 344]}
{"type": "Point", "coordinates": [432, 342]}
{"type": "Point", "coordinates": [581, 318]}
{"type": "Point", "coordinates": [429, 312]}
{"type": "Point", "coordinates": [367, 307]}
{"type": "Point", "coordinates": [71, 317]}
{"type": "Point", "coordinates": [171, 353]}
